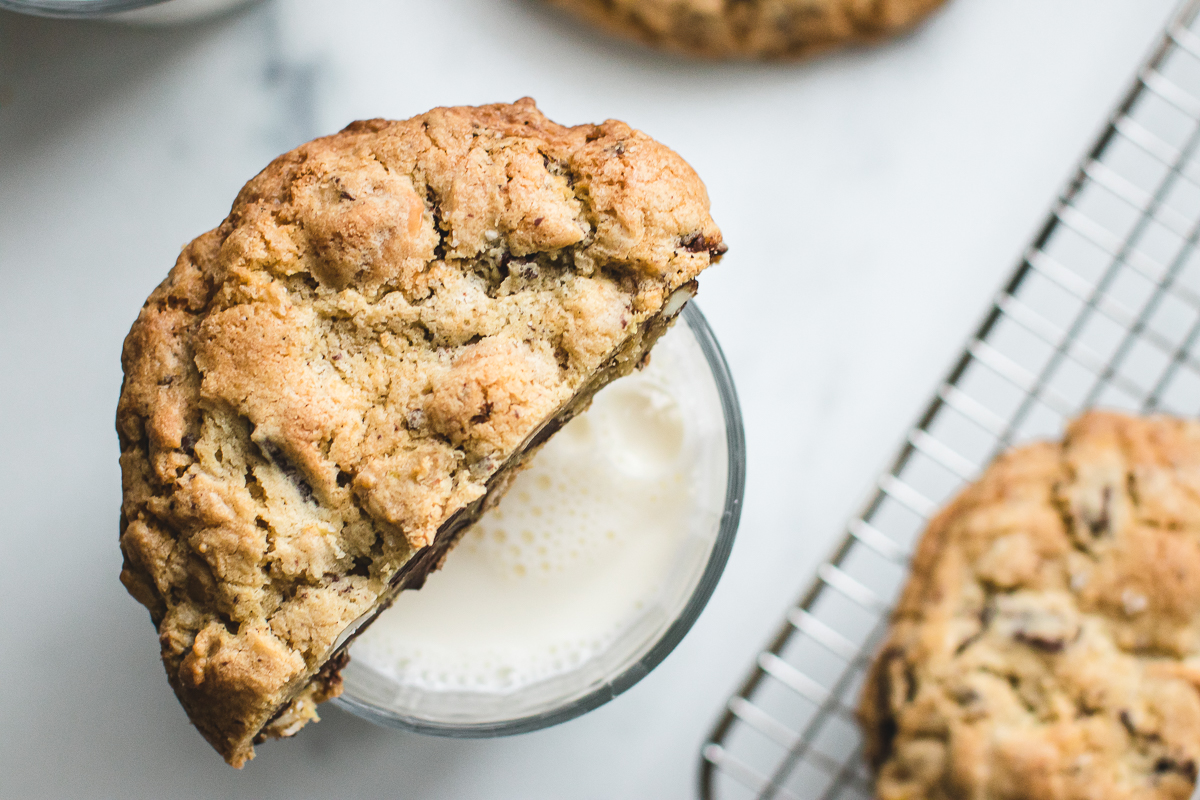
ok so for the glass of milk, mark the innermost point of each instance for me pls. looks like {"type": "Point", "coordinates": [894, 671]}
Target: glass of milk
{"type": "Point", "coordinates": [586, 575]}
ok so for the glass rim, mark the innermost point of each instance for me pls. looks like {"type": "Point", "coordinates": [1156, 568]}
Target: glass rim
{"type": "Point", "coordinates": [74, 9]}
{"type": "Point", "coordinates": [735, 442]}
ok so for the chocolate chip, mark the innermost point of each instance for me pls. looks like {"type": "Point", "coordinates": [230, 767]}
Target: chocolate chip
{"type": "Point", "coordinates": [334, 665]}
{"type": "Point", "coordinates": [696, 243]}
{"type": "Point", "coordinates": [1187, 767]}
{"type": "Point", "coordinates": [484, 414]}
{"type": "Point", "coordinates": [966, 696]}
{"type": "Point", "coordinates": [1101, 524]}
{"type": "Point", "coordinates": [276, 456]}
{"type": "Point", "coordinates": [188, 445]}
{"type": "Point", "coordinates": [1048, 630]}
{"type": "Point", "coordinates": [306, 492]}
{"type": "Point", "coordinates": [329, 676]}
{"type": "Point", "coordinates": [1044, 643]}
{"type": "Point", "coordinates": [910, 682]}
{"type": "Point", "coordinates": [887, 726]}
{"type": "Point", "coordinates": [344, 478]}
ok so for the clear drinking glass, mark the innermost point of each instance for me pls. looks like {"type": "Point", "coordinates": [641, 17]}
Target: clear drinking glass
{"type": "Point", "coordinates": [717, 501]}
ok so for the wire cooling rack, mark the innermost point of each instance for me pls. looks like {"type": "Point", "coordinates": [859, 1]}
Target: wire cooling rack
{"type": "Point", "coordinates": [1103, 310]}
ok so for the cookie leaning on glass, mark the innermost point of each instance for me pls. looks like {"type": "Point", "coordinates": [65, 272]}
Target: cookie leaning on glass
{"type": "Point", "coordinates": [332, 385]}
{"type": "Point", "coordinates": [768, 29]}
{"type": "Point", "coordinates": [1048, 642]}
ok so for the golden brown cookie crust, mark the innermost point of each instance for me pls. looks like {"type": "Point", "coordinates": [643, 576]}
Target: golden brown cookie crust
{"type": "Point", "coordinates": [324, 389]}
{"type": "Point", "coordinates": [771, 29]}
{"type": "Point", "coordinates": [1047, 644]}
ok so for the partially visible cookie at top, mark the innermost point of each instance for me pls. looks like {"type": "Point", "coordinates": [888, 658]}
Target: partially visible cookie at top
{"type": "Point", "coordinates": [769, 29]}
{"type": "Point", "coordinates": [1048, 642]}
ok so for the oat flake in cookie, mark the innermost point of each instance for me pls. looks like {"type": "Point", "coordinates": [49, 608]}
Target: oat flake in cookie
{"type": "Point", "coordinates": [773, 29]}
{"type": "Point", "coordinates": [1048, 643]}
{"type": "Point", "coordinates": [332, 385]}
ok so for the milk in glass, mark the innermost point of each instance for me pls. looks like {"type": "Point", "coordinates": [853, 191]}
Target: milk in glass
{"type": "Point", "coordinates": [593, 540]}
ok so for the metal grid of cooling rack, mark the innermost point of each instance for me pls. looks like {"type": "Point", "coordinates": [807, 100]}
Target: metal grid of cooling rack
{"type": "Point", "coordinates": [1103, 310]}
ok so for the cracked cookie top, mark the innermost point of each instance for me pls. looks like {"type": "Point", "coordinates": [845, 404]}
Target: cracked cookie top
{"type": "Point", "coordinates": [780, 29]}
{"type": "Point", "coordinates": [1048, 642]}
{"type": "Point", "coordinates": [320, 383]}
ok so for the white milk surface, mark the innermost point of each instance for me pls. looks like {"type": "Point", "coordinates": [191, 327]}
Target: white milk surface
{"type": "Point", "coordinates": [577, 551]}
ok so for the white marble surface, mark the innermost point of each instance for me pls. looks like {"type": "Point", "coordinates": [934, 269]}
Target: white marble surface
{"type": "Point", "coordinates": [873, 201]}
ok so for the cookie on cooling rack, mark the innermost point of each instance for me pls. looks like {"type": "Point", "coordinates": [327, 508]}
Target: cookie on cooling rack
{"type": "Point", "coordinates": [1048, 642]}
{"type": "Point", "coordinates": [778, 29]}
{"type": "Point", "coordinates": [328, 388]}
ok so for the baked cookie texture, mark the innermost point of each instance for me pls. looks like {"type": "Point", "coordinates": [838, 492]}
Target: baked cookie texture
{"type": "Point", "coordinates": [332, 385]}
{"type": "Point", "coordinates": [770, 29]}
{"type": "Point", "coordinates": [1048, 643]}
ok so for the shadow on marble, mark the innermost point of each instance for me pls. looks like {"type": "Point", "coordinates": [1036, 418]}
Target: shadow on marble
{"type": "Point", "coordinates": [97, 718]}
{"type": "Point", "coordinates": [55, 74]}
{"type": "Point", "coordinates": [53, 70]}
